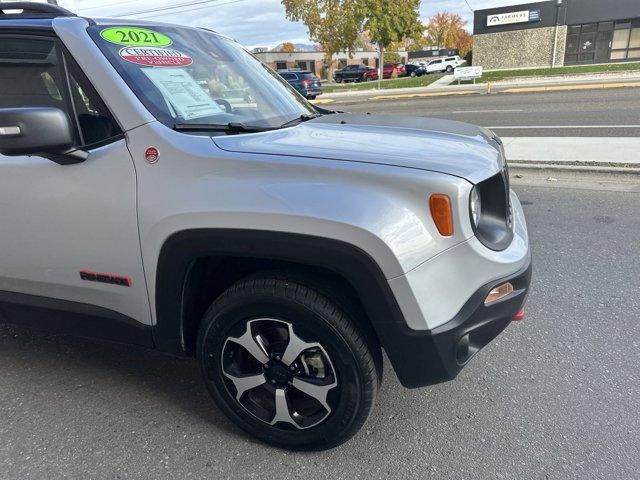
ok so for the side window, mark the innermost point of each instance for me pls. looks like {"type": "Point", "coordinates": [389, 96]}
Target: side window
{"type": "Point", "coordinates": [96, 123]}
{"type": "Point", "coordinates": [288, 76]}
{"type": "Point", "coordinates": [32, 74]}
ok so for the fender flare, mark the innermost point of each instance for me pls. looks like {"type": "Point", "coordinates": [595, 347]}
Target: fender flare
{"type": "Point", "coordinates": [357, 267]}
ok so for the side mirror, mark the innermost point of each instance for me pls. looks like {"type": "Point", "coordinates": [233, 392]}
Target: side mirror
{"type": "Point", "coordinates": [41, 131]}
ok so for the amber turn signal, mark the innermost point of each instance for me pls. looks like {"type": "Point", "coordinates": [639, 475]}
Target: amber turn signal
{"type": "Point", "coordinates": [499, 292]}
{"type": "Point", "coordinates": [440, 206]}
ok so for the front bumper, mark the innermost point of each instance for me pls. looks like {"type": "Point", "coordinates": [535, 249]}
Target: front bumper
{"type": "Point", "coordinates": [423, 358]}
{"type": "Point", "coordinates": [445, 320]}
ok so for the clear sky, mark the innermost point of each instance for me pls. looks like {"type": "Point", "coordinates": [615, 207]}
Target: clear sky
{"type": "Point", "coordinates": [252, 22]}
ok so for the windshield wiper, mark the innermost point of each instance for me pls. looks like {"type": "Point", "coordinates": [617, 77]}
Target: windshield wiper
{"type": "Point", "coordinates": [231, 127]}
{"type": "Point", "coordinates": [302, 118]}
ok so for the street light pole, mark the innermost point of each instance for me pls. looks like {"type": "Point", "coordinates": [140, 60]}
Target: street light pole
{"type": "Point", "coordinates": [555, 39]}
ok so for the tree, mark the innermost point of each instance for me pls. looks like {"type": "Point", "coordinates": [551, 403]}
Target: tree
{"type": "Point", "coordinates": [464, 43]}
{"type": "Point", "coordinates": [392, 57]}
{"type": "Point", "coordinates": [446, 30]}
{"type": "Point", "coordinates": [390, 21]}
{"type": "Point", "coordinates": [363, 42]}
{"type": "Point", "coordinates": [288, 47]}
{"type": "Point", "coordinates": [334, 24]}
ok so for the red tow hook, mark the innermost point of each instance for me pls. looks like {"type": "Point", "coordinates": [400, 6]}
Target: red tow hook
{"type": "Point", "coordinates": [519, 316]}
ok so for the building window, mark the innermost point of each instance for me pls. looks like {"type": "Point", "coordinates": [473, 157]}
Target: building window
{"type": "Point", "coordinates": [620, 39]}
{"type": "Point", "coordinates": [602, 42]}
{"type": "Point", "coordinates": [626, 40]}
{"type": "Point", "coordinates": [573, 30]}
{"type": "Point", "coordinates": [365, 61]}
{"type": "Point", "coordinates": [605, 26]}
{"type": "Point", "coordinates": [581, 44]}
{"type": "Point", "coordinates": [342, 63]}
{"type": "Point", "coordinates": [572, 43]}
{"type": "Point", "coordinates": [281, 65]}
{"type": "Point", "coordinates": [635, 54]}
{"type": "Point", "coordinates": [634, 40]}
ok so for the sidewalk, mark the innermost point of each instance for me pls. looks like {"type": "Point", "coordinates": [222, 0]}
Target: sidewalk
{"type": "Point", "coordinates": [586, 155]}
{"type": "Point", "coordinates": [596, 151]}
{"type": "Point", "coordinates": [522, 85]}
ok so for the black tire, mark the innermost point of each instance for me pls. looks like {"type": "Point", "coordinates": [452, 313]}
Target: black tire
{"type": "Point", "coordinates": [413, 74]}
{"type": "Point", "coordinates": [338, 79]}
{"type": "Point", "coordinates": [449, 69]}
{"type": "Point", "coordinates": [311, 97]}
{"type": "Point", "coordinates": [311, 317]}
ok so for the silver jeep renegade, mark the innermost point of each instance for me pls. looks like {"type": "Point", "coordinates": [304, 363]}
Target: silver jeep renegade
{"type": "Point", "coordinates": [160, 186]}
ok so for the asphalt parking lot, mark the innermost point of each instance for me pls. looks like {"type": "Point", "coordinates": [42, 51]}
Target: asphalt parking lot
{"type": "Point", "coordinates": [556, 396]}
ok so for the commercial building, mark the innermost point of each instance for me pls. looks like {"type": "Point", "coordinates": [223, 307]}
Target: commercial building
{"type": "Point", "coordinates": [556, 33]}
{"type": "Point", "coordinates": [314, 61]}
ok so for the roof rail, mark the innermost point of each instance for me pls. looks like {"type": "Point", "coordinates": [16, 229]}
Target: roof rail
{"type": "Point", "coordinates": [33, 9]}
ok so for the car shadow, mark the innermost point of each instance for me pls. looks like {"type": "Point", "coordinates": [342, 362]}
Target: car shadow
{"type": "Point", "coordinates": [140, 372]}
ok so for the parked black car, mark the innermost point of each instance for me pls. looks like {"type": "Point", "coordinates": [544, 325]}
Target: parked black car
{"type": "Point", "coordinates": [351, 73]}
{"type": "Point", "coordinates": [415, 70]}
{"type": "Point", "coordinates": [303, 81]}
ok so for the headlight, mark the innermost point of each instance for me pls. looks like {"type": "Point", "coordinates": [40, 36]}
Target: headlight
{"type": "Point", "coordinates": [475, 206]}
{"type": "Point", "coordinates": [489, 212]}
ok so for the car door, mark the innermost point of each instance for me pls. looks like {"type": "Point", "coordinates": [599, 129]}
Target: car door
{"type": "Point", "coordinates": [434, 66]}
{"type": "Point", "coordinates": [351, 72]}
{"type": "Point", "coordinates": [69, 237]}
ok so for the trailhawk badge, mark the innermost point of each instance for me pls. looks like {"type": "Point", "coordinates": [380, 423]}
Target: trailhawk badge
{"type": "Point", "coordinates": [155, 57]}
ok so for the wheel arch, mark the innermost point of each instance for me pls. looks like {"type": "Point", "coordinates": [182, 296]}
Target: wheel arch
{"type": "Point", "coordinates": [195, 266]}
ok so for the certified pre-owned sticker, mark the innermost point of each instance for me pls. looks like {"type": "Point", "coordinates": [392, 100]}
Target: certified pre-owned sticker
{"type": "Point", "coordinates": [135, 37]}
{"type": "Point", "coordinates": [155, 57]}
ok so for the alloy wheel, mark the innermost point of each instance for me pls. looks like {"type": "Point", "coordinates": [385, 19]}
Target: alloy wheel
{"type": "Point", "coordinates": [279, 378]}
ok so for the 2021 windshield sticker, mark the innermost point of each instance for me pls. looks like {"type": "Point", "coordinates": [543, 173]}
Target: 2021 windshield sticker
{"type": "Point", "coordinates": [155, 57]}
{"type": "Point", "coordinates": [135, 37]}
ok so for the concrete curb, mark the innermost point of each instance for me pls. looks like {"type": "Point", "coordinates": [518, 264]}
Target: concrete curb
{"type": "Point", "coordinates": [515, 167]}
{"type": "Point", "coordinates": [562, 88]}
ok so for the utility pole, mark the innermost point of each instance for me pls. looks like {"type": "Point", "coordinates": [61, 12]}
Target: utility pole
{"type": "Point", "coordinates": [555, 39]}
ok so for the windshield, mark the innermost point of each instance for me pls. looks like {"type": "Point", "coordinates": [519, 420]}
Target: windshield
{"type": "Point", "coordinates": [190, 77]}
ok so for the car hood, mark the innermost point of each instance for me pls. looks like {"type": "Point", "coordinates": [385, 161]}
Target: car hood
{"type": "Point", "coordinates": [436, 145]}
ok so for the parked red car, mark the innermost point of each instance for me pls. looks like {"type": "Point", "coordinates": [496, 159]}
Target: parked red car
{"type": "Point", "coordinates": [387, 71]}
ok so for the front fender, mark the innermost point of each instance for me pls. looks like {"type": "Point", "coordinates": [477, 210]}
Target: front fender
{"type": "Point", "coordinates": [378, 209]}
